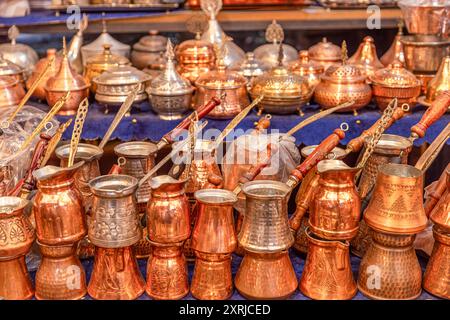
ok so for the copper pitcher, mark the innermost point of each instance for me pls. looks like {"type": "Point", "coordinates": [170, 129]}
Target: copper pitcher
{"type": "Point", "coordinates": [16, 238]}
{"type": "Point", "coordinates": [390, 269]}
{"type": "Point", "coordinates": [114, 222]}
{"type": "Point", "coordinates": [327, 274]}
{"type": "Point", "coordinates": [436, 279]}
{"type": "Point", "coordinates": [115, 275]}
{"type": "Point", "coordinates": [266, 276]}
{"type": "Point", "coordinates": [168, 211]}
{"type": "Point", "coordinates": [167, 277]}
{"type": "Point", "coordinates": [60, 275]}
{"type": "Point", "coordinates": [335, 208]}
{"type": "Point", "coordinates": [57, 207]}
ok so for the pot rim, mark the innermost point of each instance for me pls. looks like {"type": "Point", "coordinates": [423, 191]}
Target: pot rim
{"type": "Point", "coordinates": [400, 171]}
{"type": "Point", "coordinates": [99, 185]}
{"type": "Point", "coordinates": [93, 151]}
{"type": "Point", "coordinates": [249, 187]}
{"type": "Point", "coordinates": [409, 41]}
{"type": "Point", "coordinates": [158, 181]}
{"type": "Point", "coordinates": [16, 204]}
{"type": "Point", "coordinates": [220, 197]}
{"type": "Point", "coordinates": [47, 172]}
{"type": "Point", "coordinates": [147, 148]}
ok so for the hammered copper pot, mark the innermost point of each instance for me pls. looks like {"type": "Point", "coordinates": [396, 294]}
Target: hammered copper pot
{"type": "Point", "coordinates": [390, 268]}
{"type": "Point", "coordinates": [440, 215]}
{"type": "Point", "coordinates": [327, 274]}
{"type": "Point", "coordinates": [115, 275]}
{"type": "Point", "coordinates": [167, 276]}
{"type": "Point", "coordinates": [16, 238]}
{"type": "Point", "coordinates": [60, 275]}
{"type": "Point", "coordinates": [11, 92]}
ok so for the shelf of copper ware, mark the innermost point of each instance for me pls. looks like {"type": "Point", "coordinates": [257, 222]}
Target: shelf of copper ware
{"type": "Point", "coordinates": [310, 18]}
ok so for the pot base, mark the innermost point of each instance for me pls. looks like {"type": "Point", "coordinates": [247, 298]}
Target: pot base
{"type": "Point", "coordinates": [15, 282]}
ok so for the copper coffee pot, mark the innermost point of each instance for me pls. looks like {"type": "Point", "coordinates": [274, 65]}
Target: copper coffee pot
{"type": "Point", "coordinates": [395, 51]}
{"type": "Point", "coordinates": [17, 236]}
{"type": "Point", "coordinates": [366, 57]}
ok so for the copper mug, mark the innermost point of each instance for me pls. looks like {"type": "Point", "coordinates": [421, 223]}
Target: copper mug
{"type": "Point", "coordinates": [167, 277]}
{"type": "Point", "coordinates": [327, 274]}
{"type": "Point", "coordinates": [57, 206]}
{"type": "Point", "coordinates": [168, 211]}
{"type": "Point", "coordinates": [60, 275]}
{"type": "Point", "coordinates": [16, 238]}
{"type": "Point", "coordinates": [115, 275]}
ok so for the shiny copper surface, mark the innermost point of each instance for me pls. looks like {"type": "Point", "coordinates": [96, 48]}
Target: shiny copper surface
{"type": "Point", "coordinates": [148, 49]}
{"type": "Point", "coordinates": [115, 275]}
{"type": "Point", "coordinates": [440, 215]}
{"type": "Point", "coordinates": [307, 68]}
{"type": "Point", "coordinates": [325, 53]}
{"type": "Point", "coordinates": [327, 274]}
{"type": "Point", "coordinates": [366, 57]}
{"type": "Point", "coordinates": [395, 51]}
{"type": "Point", "coordinates": [441, 81]}
{"type": "Point", "coordinates": [435, 191]}
{"type": "Point", "coordinates": [11, 91]}
{"type": "Point", "coordinates": [437, 109]}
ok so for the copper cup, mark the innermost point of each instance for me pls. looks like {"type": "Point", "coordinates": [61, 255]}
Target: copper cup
{"type": "Point", "coordinates": [327, 274]}
{"type": "Point", "coordinates": [115, 275]}
{"type": "Point", "coordinates": [167, 277]}
{"type": "Point", "coordinates": [60, 275]}
{"type": "Point", "coordinates": [16, 237]}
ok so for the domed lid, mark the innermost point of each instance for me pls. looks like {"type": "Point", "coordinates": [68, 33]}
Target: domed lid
{"type": "Point", "coordinates": [325, 51]}
{"type": "Point", "coordinates": [42, 63]}
{"type": "Point", "coordinates": [440, 82]}
{"type": "Point", "coordinates": [105, 38]}
{"type": "Point", "coordinates": [251, 66]}
{"type": "Point", "coordinates": [6, 82]}
{"type": "Point", "coordinates": [344, 72]}
{"type": "Point", "coordinates": [304, 66]}
{"type": "Point", "coordinates": [8, 68]}
{"type": "Point", "coordinates": [151, 43]}
{"type": "Point", "coordinates": [19, 53]}
{"type": "Point", "coordinates": [170, 82]}
{"type": "Point", "coordinates": [395, 51]}
{"type": "Point", "coordinates": [107, 59]}
{"type": "Point", "coordinates": [366, 57]}
{"type": "Point", "coordinates": [121, 75]}
{"type": "Point", "coordinates": [395, 76]}
{"type": "Point", "coordinates": [65, 78]}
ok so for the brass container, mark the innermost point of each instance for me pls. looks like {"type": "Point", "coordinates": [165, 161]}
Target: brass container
{"type": "Point", "coordinates": [440, 215]}
{"type": "Point", "coordinates": [436, 279]}
{"type": "Point", "coordinates": [60, 275]}
{"type": "Point", "coordinates": [168, 211]}
{"type": "Point", "coordinates": [167, 276]}
{"type": "Point", "coordinates": [265, 227]}
{"type": "Point", "coordinates": [39, 92]}
{"type": "Point", "coordinates": [335, 207]}
{"type": "Point", "coordinates": [395, 81]}
{"type": "Point", "coordinates": [115, 275]}
{"type": "Point", "coordinates": [8, 68]}
{"type": "Point", "coordinates": [115, 221]}
{"type": "Point", "coordinates": [90, 169]}
{"type": "Point", "coordinates": [306, 68]}
{"type": "Point", "coordinates": [440, 83]}
{"type": "Point", "coordinates": [57, 207]}
{"type": "Point", "coordinates": [17, 236]}
{"type": "Point", "coordinates": [325, 53]}
{"type": "Point", "coordinates": [424, 17]}
{"type": "Point", "coordinates": [395, 51]}
{"type": "Point", "coordinates": [390, 269]}
{"type": "Point", "coordinates": [327, 274]}
{"type": "Point", "coordinates": [97, 64]}
{"type": "Point", "coordinates": [425, 55]}
{"type": "Point", "coordinates": [11, 91]}
{"type": "Point", "coordinates": [266, 276]}
{"type": "Point", "coordinates": [148, 49]}
{"type": "Point", "coordinates": [366, 57]}
{"type": "Point", "coordinates": [396, 205]}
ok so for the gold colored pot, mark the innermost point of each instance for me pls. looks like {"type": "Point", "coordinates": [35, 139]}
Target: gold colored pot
{"type": "Point", "coordinates": [11, 91]}
{"type": "Point", "coordinates": [325, 53]}
{"type": "Point", "coordinates": [366, 57]}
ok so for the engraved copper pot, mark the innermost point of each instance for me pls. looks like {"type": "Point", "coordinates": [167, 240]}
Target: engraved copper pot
{"type": "Point", "coordinates": [60, 275]}
{"type": "Point", "coordinates": [167, 277]}
{"type": "Point", "coordinates": [335, 208]}
{"type": "Point", "coordinates": [327, 274]}
{"type": "Point", "coordinates": [11, 91]}
{"type": "Point", "coordinates": [57, 208]}
{"type": "Point", "coordinates": [366, 57]}
{"type": "Point", "coordinates": [436, 279]}
{"type": "Point", "coordinates": [90, 155]}
{"type": "Point", "coordinates": [115, 221]}
{"type": "Point", "coordinates": [16, 238]}
{"type": "Point", "coordinates": [396, 205]}
{"type": "Point", "coordinates": [266, 276]}
{"type": "Point", "coordinates": [390, 269]}
{"type": "Point", "coordinates": [325, 53]}
{"type": "Point", "coordinates": [115, 275]}
{"type": "Point", "coordinates": [168, 211]}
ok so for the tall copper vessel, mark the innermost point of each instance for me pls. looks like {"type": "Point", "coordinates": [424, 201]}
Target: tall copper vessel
{"type": "Point", "coordinates": [395, 51]}
{"type": "Point", "coordinates": [167, 277]}
{"type": "Point", "coordinates": [115, 275]}
{"type": "Point", "coordinates": [60, 275]}
{"type": "Point", "coordinates": [327, 274]}
{"type": "Point", "coordinates": [17, 236]}
{"type": "Point", "coordinates": [57, 207]}
{"type": "Point", "coordinates": [440, 215]}
{"type": "Point", "coordinates": [366, 57]}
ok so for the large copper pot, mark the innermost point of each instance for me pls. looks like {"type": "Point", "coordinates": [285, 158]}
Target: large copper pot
{"type": "Point", "coordinates": [11, 91]}
{"type": "Point", "coordinates": [16, 238]}
{"type": "Point", "coordinates": [327, 274]}
{"type": "Point", "coordinates": [57, 208]}
{"type": "Point", "coordinates": [424, 17]}
{"type": "Point", "coordinates": [60, 275]}
{"type": "Point", "coordinates": [115, 275]}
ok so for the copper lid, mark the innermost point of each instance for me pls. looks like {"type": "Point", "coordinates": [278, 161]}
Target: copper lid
{"type": "Point", "coordinates": [195, 51]}
{"type": "Point", "coordinates": [366, 57]}
{"type": "Point", "coordinates": [395, 76]}
{"type": "Point", "coordinates": [304, 66]}
{"type": "Point", "coordinates": [325, 51]}
{"type": "Point", "coordinates": [121, 75]}
{"type": "Point", "coordinates": [151, 43]}
{"type": "Point", "coordinates": [441, 82]}
{"type": "Point", "coordinates": [344, 72]}
{"type": "Point", "coordinates": [19, 53]}
{"type": "Point", "coordinates": [395, 51]}
{"type": "Point", "coordinates": [8, 68]}
{"type": "Point", "coordinates": [42, 63]}
{"type": "Point", "coordinates": [106, 59]}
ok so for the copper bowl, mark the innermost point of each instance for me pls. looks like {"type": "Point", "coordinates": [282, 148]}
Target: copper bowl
{"type": "Point", "coordinates": [11, 91]}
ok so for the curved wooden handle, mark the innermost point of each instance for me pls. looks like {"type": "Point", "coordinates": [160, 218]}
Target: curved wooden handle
{"type": "Point", "coordinates": [435, 191]}
{"type": "Point", "coordinates": [303, 204]}
{"type": "Point", "coordinates": [256, 169]}
{"type": "Point", "coordinates": [433, 113]}
{"type": "Point", "coordinates": [115, 169]}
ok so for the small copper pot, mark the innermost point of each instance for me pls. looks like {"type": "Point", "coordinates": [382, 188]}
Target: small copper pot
{"type": "Point", "coordinates": [327, 274]}
{"type": "Point", "coordinates": [366, 57]}
{"type": "Point", "coordinates": [11, 91]}
{"type": "Point", "coordinates": [115, 275]}
{"type": "Point", "coordinates": [60, 275]}
{"type": "Point", "coordinates": [266, 276]}
{"type": "Point", "coordinates": [17, 236]}
{"type": "Point", "coordinates": [390, 269]}
{"type": "Point", "coordinates": [167, 277]}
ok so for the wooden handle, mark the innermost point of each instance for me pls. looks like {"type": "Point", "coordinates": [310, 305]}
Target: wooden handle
{"type": "Point", "coordinates": [201, 112]}
{"type": "Point", "coordinates": [304, 203]}
{"type": "Point", "coordinates": [435, 191]}
{"type": "Point", "coordinates": [433, 113]}
{"type": "Point", "coordinates": [256, 169]}
{"type": "Point", "coordinates": [115, 169]}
